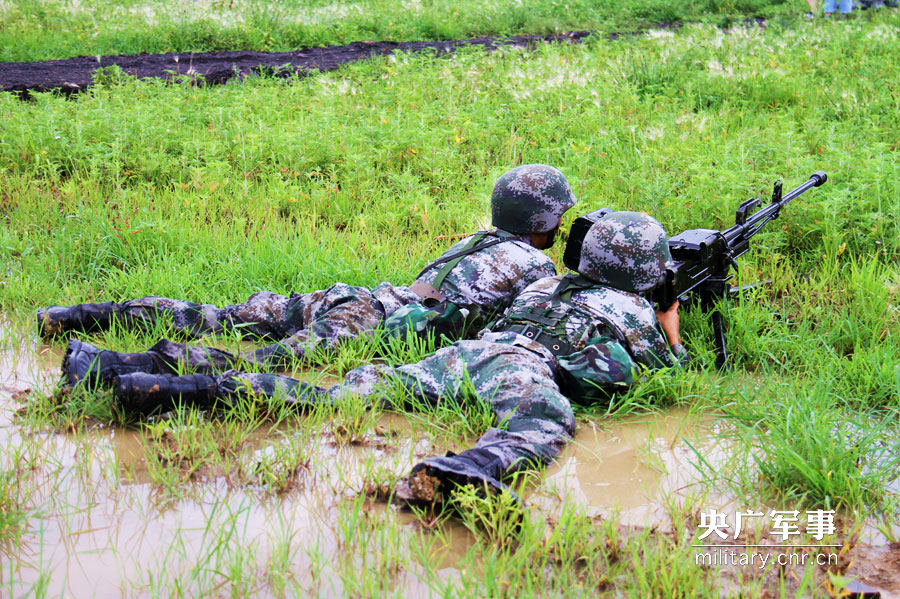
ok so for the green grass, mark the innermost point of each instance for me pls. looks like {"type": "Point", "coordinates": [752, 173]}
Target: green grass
{"type": "Point", "coordinates": [212, 193]}
{"type": "Point", "coordinates": [806, 449]}
{"type": "Point", "coordinates": [40, 30]}
{"type": "Point", "coordinates": [13, 512]}
{"type": "Point", "coordinates": [217, 192]}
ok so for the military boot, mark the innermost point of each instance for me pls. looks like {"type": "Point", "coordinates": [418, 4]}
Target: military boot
{"type": "Point", "coordinates": [433, 479]}
{"type": "Point", "coordinates": [92, 368]}
{"type": "Point", "coordinates": [157, 393]}
{"type": "Point", "coordinates": [57, 320]}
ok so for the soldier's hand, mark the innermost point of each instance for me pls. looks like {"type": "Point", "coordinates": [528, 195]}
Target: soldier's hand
{"type": "Point", "coordinates": [670, 323]}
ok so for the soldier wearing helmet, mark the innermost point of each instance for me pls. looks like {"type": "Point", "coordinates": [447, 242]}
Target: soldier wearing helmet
{"type": "Point", "coordinates": [475, 279]}
{"type": "Point", "coordinates": [578, 336]}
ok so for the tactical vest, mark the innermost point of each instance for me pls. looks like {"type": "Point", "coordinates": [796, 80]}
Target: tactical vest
{"type": "Point", "coordinates": [545, 322]}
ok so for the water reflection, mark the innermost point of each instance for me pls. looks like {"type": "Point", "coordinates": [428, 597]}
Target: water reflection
{"type": "Point", "coordinates": [103, 528]}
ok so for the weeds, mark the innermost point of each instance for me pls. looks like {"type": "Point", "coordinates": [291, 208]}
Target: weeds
{"type": "Point", "coordinates": [189, 446]}
{"type": "Point", "coordinates": [67, 409]}
{"type": "Point", "coordinates": [495, 517]}
{"type": "Point", "coordinates": [127, 26]}
{"type": "Point", "coordinates": [808, 451]}
{"type": "Point", "coordinates": [465, 413]}
{"type": "Point", "coordinates": [663, 567]}
{"type": "Point", "coordinates": [361, 175]}
{"type": "Point", "coordinates": [353, 419]}
{"type": "Point", "coordinates": [280, 467]}
{"type": "Point", "coordinates": [13, 513]}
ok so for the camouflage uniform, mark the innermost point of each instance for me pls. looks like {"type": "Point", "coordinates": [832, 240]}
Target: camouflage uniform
{"type": "Point", "coordinates": [563, 336]}
{"type": "Point", "coordinates": [482, 285]}
{"type": "Point", "coordinates": [475, 279]}
{"type": "Point", "coordinates": [517, 375]}
{"type": "Point", "coordinates": [485, 281]}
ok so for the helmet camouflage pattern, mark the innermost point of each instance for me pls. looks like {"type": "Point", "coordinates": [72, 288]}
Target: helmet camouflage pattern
{"type": "Point", "coordinates": [625, 250]}
{"type": "Point", "coordinates": [530, 199]}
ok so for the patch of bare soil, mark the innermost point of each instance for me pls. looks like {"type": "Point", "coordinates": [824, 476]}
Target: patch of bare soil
{"type": "Point", "coordinates": [879, 568]}
{"type": "Point", "coordinates": [76, 74]}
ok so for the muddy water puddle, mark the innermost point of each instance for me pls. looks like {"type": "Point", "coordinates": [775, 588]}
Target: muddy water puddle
{"type": "Point", "coordinates": [639, 468]}
{"type": "Point", "coordinates": [106, 524]}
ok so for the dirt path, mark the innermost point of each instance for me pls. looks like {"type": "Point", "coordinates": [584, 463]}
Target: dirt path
{"type": "Point", "coordinates": [75, 74]}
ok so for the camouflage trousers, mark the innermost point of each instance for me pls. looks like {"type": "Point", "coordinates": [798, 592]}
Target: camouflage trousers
{"type": "Point", "coordinates": [533, 419]}
{"type": "Point", "coordinates": [299, 323]}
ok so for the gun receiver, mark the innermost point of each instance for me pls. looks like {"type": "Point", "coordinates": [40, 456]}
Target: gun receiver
{"type": "Point", "coordinates": [702, 258]}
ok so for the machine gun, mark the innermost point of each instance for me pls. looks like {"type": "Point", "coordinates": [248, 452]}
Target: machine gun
{"type": "Point", "coordinates": [702, 258]}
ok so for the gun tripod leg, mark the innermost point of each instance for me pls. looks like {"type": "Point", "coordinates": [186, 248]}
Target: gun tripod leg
{"type": "Point", "coordinates": [708, 303]}
{"type": "Point", "coordinates": [719, 333]}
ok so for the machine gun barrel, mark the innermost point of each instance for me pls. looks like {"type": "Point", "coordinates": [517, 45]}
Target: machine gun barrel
{"type": "Point", "coordinates": [746, 226]}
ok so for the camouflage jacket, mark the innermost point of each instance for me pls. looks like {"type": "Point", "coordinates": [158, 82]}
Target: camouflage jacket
{"type": "Point", "coordinates": [609, 333]}
{"type": "Point", "coordinates": [492, 277]}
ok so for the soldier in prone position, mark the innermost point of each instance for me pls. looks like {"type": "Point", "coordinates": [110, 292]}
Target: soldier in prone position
{"type": "Point", "coordinates": [477, 277]}
{"type": "Point", "coordinates": [580, 336]}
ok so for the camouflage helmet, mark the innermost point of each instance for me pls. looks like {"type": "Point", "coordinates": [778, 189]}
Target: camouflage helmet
{"type": "Point", "coordinates": [625, 250]}
{"type": "Point", "coordinates": [530, 199]}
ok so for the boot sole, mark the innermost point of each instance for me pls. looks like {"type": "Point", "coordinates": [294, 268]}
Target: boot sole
{"type": "Point", "coordinates": [80, 363]}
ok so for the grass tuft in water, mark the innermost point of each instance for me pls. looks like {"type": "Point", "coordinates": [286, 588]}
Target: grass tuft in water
{"type": "Point", "coordinates": [805, 449]}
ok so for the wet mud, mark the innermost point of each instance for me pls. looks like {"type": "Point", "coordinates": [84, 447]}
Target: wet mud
{"type": "Point", "coordinates": [103, 518]}
{"type": "Point", "coordinates": [105, 526]}
{"type": "Point", "coordinates": [76, 74]}
{"type": "Point", "coordinates": [638, 469]}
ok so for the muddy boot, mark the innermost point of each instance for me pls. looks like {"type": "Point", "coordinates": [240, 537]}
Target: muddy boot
{"type": "Point", "coordinates": [93, 368]}
{"type": "Point", "coordinates": [57, 320]}
{"type": "Point", "coordinates": [433, 479]}
{"type": "Point", "coordinates": [156, 393]}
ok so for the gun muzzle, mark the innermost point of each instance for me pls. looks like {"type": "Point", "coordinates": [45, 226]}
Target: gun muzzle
{"type": "Point", "coordinates": [820, 177]}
